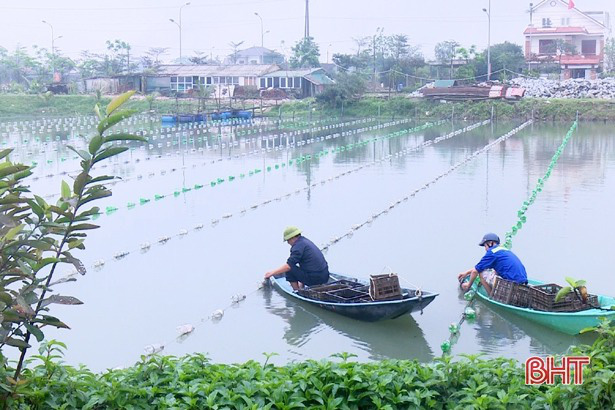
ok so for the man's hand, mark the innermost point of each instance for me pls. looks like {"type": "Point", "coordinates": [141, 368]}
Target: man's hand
{"type": "Point", "coordinates": [462, 276]}
{"type": "Point", "coordinates": [269, 274]}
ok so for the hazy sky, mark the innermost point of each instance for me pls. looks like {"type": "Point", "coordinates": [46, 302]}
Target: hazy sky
{"type": "Point", "coordinates": [210, 25]}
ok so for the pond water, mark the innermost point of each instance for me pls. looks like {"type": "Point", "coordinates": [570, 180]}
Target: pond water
{"type": "Point", "coordinates": [141, 299]}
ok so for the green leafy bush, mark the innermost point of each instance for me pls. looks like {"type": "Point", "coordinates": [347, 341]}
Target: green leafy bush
{"type": "Point", "coordinates": [36, 237]}
{"type": "Point", "coordinates": [194, 382]}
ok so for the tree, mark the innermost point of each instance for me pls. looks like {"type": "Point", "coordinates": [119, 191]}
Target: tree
{"type": "Point", "coordinates": [348, 87]}
{"type": "Point", "coordinates": [38, 237]}
{"type": "Point", "coordinates": [120, 57]}
{"type": "Point", "coordinates": [351, 61]}
{"type": "Point", "coordinates": [609, 54]}
{"type": "Point", "coordinates": [445, 51]}
{"type": "Point", "coordinates": [235, 47]}
{"type": "Point", "coordinates": [151, 60]}
{"type": "Point", "coordinates": [305, 54]}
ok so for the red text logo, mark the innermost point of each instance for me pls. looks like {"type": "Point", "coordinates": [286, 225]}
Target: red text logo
{"type": "Point", "coordinates": [539, 370]}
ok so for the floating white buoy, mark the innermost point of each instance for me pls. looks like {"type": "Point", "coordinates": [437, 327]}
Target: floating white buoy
{"type": "Point", "coordinates": [121, 254]}
{"type": "Point", "coordinates": [185, 329]}
{"type": "Point", "coordinates": [183, 232]}
{"type": "Point", "coordinates": [238, 298]}
{"type": "Point", "coordinates": [217, 314]}
{"type": "Point", "coordinates": [197, 227]}
{"type": "Point", "coordinates": [163, 239]}
{"type": "Point", "coordinates": [153, 349]}
{"type": "Point", "coordinates": [214, 222]}
{"type": "Point", "coordinates": [145, 246]}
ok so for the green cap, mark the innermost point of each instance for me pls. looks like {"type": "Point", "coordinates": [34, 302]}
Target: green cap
{"type": "Point", "coordinates": [291, 232]}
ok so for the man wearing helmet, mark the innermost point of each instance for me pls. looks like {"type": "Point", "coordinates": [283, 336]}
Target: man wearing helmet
{"type": "Point", "coordinates": [497, 261]}
{"type": "Point", "coordinates": [306, 264]}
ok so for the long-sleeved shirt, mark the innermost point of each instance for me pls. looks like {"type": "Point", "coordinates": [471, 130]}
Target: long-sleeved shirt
{"type": "Point", "coordinates": [307, 255]}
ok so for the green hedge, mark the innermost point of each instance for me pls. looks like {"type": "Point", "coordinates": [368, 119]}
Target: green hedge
{"type": "Point", "coordinates": [540, 109]}
{"type": "Point", "coordinates": [194, 382]}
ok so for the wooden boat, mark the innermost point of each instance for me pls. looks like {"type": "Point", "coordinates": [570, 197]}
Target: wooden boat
{"type": "Point", "coordinates": [567, 322]}
{"type": "Point", "coordinates": [369, 311]}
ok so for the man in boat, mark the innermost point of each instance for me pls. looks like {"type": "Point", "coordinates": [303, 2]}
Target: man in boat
{"type": "Point", "coordinates": [306, 264]}
{"type": "Point", "coordinates": [497, 261]}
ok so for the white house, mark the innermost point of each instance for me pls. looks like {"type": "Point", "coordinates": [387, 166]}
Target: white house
{"type": "Point", "coordinates": [182, 78]}
{"type": "Point", "coordinates": [255, 55]}
{"type": "Point", "coordinates": [568, 36]}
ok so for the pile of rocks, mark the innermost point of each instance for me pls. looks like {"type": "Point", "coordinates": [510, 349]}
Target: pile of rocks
{"type": "Point", "coordinates": [576, 88]}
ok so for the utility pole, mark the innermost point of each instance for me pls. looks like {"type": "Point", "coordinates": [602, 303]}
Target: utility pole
{"type": "Point", "coordinates": [374, 48]}
{"type": "Point", "coordinates": [488, 11]}
{"type": "Point", "coordinates": [262, 32]}
{"type": "Point", "coordinates": [529, 51]}
{"type": "Point", "coordinates": [179, 25]}
{"type": "Point", "coordinates": [53, 50]}
{"type": "Point", "coordinates": [306, 33]}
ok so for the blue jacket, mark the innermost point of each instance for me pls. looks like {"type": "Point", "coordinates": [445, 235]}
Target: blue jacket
{"type": "Point", "coordinates": [307, 255]}
{"type": "Point", "coordinates": [504, 262]}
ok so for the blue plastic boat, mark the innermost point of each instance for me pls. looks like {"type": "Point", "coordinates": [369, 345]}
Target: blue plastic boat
{"type": "Point", "coordinates": [371, 311]}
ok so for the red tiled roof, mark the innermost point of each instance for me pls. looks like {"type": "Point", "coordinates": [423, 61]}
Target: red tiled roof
{"type": "Point", "coordinates": [580, 60]}
{"type": "Point", "coordinates": [555, 30]}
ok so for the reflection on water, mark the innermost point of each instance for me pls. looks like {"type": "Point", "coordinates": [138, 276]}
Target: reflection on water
{"type": "Point", "coordinates": [401, 338]}
{"type": "Point", "coordinates": [500, 331]}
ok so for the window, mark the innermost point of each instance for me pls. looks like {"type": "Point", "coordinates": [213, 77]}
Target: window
{"type": "Point", "coordinates": [235, 80]}
{"type": "Point", "coordinates": [290, 82]}
{"type": "Point", "coordinates": [182, 83]}
{"type": "Point", "coordinates": [546, 22]}
{"type": "Point", "coordinates": [263, 82]}
{"type": "Point", "coordinates": [229, 80]}
{"type": "Point", "coordinates": [565, 21]}
{"type": "Point", "coordinates": [276, 82]}
{"type": "Point", "coordinates": [297, 82]}
{"type": "Point", "coordinates": [546, 47]}
{"type": "Point", "coordinates": [588, 47]}
{"type": "Point", "coordinates": [283, 82]}
{"type": "Point", "coordinates": [269, 82]}
{"type": "Point", "coordinates": [209, 80]}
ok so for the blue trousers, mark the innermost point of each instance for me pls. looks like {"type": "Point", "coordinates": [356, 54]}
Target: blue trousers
{"type": "Point", "coordinates": [296, 274]}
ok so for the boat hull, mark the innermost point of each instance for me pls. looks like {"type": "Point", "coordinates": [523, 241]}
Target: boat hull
{"type": "Point", "coordinates": [368, 312]}
{"type": "Point", "coordinates": [566, 322]}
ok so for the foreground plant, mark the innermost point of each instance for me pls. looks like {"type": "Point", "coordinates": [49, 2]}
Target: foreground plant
{"type": "Point", "coordinates": [192, 381]}
{"type": "Point", "coordinates": [36, 237]}
{"type": "Point", "coordinates": [576, 286]}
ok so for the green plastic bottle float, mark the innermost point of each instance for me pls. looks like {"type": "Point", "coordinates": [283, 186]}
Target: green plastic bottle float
{"type": "Point", "coordinates": [469, 313]}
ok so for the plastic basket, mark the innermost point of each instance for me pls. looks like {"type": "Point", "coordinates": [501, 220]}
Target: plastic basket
{"type": "Point", "coordinates": [384, 287]}
{"type": "Point", "coordinates": [511, 293]}
{"type": "Point", "coordinates": [542, 297]}
{"type": "Point", "coordinates": [338, 291]}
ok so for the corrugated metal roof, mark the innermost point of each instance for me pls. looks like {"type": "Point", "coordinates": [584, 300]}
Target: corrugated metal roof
{"type": "Point", "coordinates": [319, 78]}
{"type": "Point", "coordinates": [444, 83]}
{"type": "Point", "coordinates": [293, 73]}
{"type": "Point", "coordinates": [249, 70]}
{"type": "Point", "coordinates": [254, 51]}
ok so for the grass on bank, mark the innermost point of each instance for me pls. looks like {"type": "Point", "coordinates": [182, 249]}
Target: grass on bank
{"type": "Point", "coordinates": [27, 106]}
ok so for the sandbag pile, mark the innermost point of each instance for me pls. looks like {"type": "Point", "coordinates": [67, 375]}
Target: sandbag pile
{"type": "Point", "coordinates": [574, 88]}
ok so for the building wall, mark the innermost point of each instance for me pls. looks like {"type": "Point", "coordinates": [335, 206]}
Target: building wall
{"type": "Point", "coordinates": [560, 16]}
{"type": "Point", "coordinates": [534, 42]}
